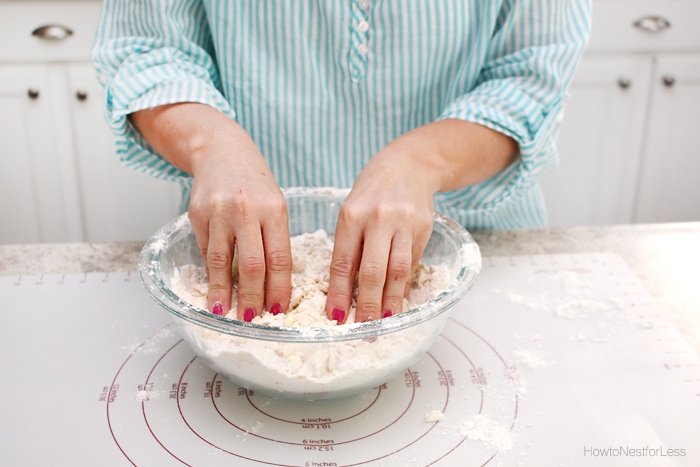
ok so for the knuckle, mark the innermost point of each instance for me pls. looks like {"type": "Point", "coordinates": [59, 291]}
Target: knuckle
{"type": "Point", "coordinates": [217, 260]}
{"type": "Point", "coordinates": [400, 270]}
{"type": "Point", "coordinates": [203, 250]}
{"type": "Point", "coordinates": [252, 266]}
{"type": "Point", "coordinates": [349, 214]}
{"type": "Point", "coordinates": [279, 261]}
{"type": "Point", "coordinates": [425, 222]}
{"type": "Point", "coordinates": [278, 206]}
{"type": "Point", "coordinates": [372, 273]}
{"type": "Point", "coordinates": [342, 267]}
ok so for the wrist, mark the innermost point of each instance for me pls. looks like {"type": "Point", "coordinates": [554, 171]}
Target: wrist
{"type": "Point", "coordinates": [422, 160]}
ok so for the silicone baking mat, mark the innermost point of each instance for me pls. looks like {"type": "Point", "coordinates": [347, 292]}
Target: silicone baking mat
{"type": "Point", "coordinates": [550, 360]}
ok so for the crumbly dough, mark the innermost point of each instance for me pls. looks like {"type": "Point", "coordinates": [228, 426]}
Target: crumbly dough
{"type": "Point", "coordinates": [311, 258]}
{"type": "Point", "coordinates": [434, 416]}
{"type": "Point", "coordinates": [310, 370]}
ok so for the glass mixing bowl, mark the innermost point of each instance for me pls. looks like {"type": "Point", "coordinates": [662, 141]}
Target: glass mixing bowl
{"type": "Point", "coordinates": [304, 362]}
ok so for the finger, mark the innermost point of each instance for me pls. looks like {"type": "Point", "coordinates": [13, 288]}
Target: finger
{"type": "Point", "coordinates": [343, 269]}
{"type": "Point", "coordinates": [201, 234]}
{"type": "Point", "coordinates": [399, 271]}
{"type": "Point", "coordinates": [218, 255]}
{"type": "Point", "coordinates": [251, 271]}
{"type": "Point", "coordinates": [420, 241]}
{"type": "Point", "coordinates": [278, 259]}
{"type": "Point", "coordinates": [372, 275]}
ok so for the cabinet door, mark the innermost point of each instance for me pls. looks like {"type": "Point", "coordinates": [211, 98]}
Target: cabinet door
{"type": "Point", "coordinates": [36, 204]}
{"type": "Point", "coordinates": [119, 204]}
{"type": "Point", "coordinates": [669, 190]}
{"type": "Point", "coordinates": [599, 142]}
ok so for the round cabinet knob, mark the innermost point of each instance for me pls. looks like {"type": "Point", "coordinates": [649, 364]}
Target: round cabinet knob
{"type": "Point", "coordinates": [624, 83]}
{"type": "Point", "coordinates": [668, 80]}
{"type": "Point", "coordinates": [652, 23]}
{"type": "Point", "coordinates": [33, 93]}
{"type": "Point", "coordinates": [52, 32]}
{"type": "Point", "coordinates": [81, 95]}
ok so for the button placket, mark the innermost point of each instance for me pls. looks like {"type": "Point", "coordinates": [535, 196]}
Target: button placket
{"type": "Point", "coordinates": [359, 48]}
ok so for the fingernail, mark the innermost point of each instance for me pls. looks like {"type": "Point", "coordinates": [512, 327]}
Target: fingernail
{"type": "Point", "coordinates": [338, 315]}
{"type": "Point", "coordinates": [276, 309]}
{"type": "Point", "coordinates": [218, 308]}
{"type": "Point", "coordinates": [387, 313]}
{"type": "Point", "coordinates": [248, 315]}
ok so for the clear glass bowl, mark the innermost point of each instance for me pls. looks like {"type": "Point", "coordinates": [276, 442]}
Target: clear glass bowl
{"type": "Point", "coordinates": [309, 363]}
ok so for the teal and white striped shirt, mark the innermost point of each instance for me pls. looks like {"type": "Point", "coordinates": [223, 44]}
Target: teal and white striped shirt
{"type": "Point", "coordinates": [322, 85]}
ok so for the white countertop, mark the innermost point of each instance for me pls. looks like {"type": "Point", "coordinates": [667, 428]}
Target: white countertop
{"type": "Point", "coordinates": [663, 256]}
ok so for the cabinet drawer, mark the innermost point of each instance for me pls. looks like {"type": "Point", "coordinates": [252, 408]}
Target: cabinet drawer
{"type": "Point", "coordinates": [19, 19]}
{"type": "Point", "coordinates": [614, 28]}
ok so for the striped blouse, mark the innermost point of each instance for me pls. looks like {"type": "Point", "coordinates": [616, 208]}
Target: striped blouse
{"type": "Point", "coordinates": [322, 85]}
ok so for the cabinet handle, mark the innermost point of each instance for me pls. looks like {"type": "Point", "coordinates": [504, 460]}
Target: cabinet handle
{"type": "Point", "coordinates": [33, 93]}
{"type": "Point", "coordinates": [81, 95]}
{"type": "Point", "coordinates": [624, 83]}
{"type": "Point", "coordinates": [668, 80]}
{"type": "Point", "coordinates": [652, 23]}
{"type": "Point", "coordinates": [52, 32]}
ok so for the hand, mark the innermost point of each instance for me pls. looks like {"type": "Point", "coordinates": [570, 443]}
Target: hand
{"type": "Point", "coordinates": [382, 229]}
{"type": "Point", "coordinates": [235, 204]}
{"type": "Point", "coordinates": [235, 201]}
{"type": "Point", "coordinates": [386, 220]}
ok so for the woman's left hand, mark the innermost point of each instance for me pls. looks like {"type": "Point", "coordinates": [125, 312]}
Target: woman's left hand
{"type": "Point", "coordinates": [383, 228]}
{"type": "Point", "coordinates": [386, 221]}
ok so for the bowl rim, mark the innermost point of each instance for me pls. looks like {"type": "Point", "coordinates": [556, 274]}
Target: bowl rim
{"type": "Point", "coordinates": [149, 272]}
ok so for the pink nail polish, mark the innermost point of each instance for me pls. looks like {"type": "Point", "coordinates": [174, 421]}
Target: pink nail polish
{"type": "Point", "coordinates": [218, 308]}
{"type": "Point", "coordinates": [338, 315]}
{"type": "Point", "coordinates": [248, 315]}
{"type": "Point", "coordinates": [387, 313]}
{"type": "Point", "coordinates": [276, 309]}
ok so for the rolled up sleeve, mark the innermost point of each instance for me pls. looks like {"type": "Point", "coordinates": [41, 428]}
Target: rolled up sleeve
{"type": "Point", "coordinates": [521, 90]}
{"type": "Point", "coordinates": [148, 54]}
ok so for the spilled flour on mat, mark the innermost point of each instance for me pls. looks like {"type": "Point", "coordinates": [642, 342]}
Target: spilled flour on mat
{"type": "Point", "coordinates": [481, 428]}
{"type": "Point", "coordinates": [530, 359]}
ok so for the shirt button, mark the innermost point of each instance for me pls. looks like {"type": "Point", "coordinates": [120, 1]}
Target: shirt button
{"type": "Point", "coordinates": [362, 49]}
{"type": "Point", "coordinates": [364, 4]}
{"type": "Point", "coordinates": [363, 26]}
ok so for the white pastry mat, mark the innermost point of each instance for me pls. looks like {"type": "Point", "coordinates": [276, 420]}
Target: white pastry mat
{"type": "Point", "coordinates": [550, 360]}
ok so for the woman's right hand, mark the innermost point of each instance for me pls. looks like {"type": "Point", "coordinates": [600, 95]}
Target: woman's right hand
{"type": "Point", "coordinates": [235, 205]}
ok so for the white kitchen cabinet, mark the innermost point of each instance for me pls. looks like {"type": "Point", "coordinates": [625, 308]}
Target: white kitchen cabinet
{"type": "Point", "coordinates": [669, 189]}
{"type": "Point", "coordinates": [118, 203]}
{"type": "Point", "coordinates": [600, 142]}
{"type": "Point", "coordinates": [627, 143]}
{"type": "Point", "coordinates": [37, 197]}
{"type": "Point", "coordinates": [62, 180]}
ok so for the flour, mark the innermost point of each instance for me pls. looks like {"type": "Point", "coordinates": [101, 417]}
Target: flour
{"type": "Point", "coordinates": [309, 368]}
{"type": "Point", "coordinates": [530, 359]}
{"type": "Point", "coordinates": [483, 429]}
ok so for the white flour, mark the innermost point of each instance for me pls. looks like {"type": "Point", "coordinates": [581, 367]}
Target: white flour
{"type": "Point", "coordinates": [530, 359]}
{"type": "Point", "coordinates": [309, 368]}
{"type": "Point", "coordinates": [482, 428]}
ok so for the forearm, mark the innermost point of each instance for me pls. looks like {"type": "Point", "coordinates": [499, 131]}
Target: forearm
{"type": "Point", "coordinates": [183, 133]}
{"type": "Point", "coordinates": [453, 154]}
